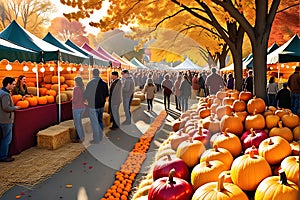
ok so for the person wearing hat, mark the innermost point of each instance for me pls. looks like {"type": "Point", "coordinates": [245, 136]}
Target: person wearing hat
{"type": "Point", "coordinates": [294, 85]}
{"type": "Point", "coordinates": [96, 92]}
{"type": "Point", "coordinates": [284, 97]}
{"type": "Point", "coordinates": [115, 99]}
{"type": "Point", "coordinates": [149, 90]}
{"type": "Point", "coordinates": [127, 95]}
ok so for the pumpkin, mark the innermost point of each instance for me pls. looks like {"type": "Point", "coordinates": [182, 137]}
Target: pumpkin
{"type": "Point", "coordinates": [42, 100]}
{"type": "Point", "coordinates": [274, 149]}
{"type": "Point", "coordinates": [54, 79]}
{"type": "Point", "coordinates": [190, 151]}
{"type": "Point", "coordinates": [16, 98]}
{"type": "Point", "coordinates": [232, 123]}
{"type": "Point", "coordinates": [52, 93]}
{"type": "Point", "coordinates": [223, 110]}
{"type": "Point", "coordinates": [212, 124]}
{"type": "Point", "coordinates": [282, 112]}
{"type": "Point", "coordinates": [256, 104]}
{"type": "Point", "coordinates": [291, 120]}
{"type": "Point", "coordinates": [47, 86]}
{"type": "Point", "coordinates": [283, 132]}
{"type": "Point", "coordinates": [32, 90]}
{"type": "Point", "coordinates": [272, 121]}
{"type": "Point", "coordinates": [170, 188]}
{"type": "Point", "coordinates": [50, 99]}
{"type": "Point", "coordinates": [254, 149]}
{"type": "Point", "coordinates": [219, 154]}
{"type": "Point", "coordinates": [242, 115]}
{"type": "Point", "coordinates": [245, 95]}
{"type": "Point", "coordinates": [221, 94]}
{"type": "Point", "coordinates": [253, 138]}
{"type": "Point", "coordinates": [228, 101]}
{"type": "Point", "coordinates": [43, 91]}
{"type": "Point", "coordinates": [296, 133]}
{"type": "Point", "coordinates": [219, 190]}
{"type": "Point", "coordinates": [295, 148]}
{"type": "Point", "coordinates": [239, 105]}
{"type": "Point", "coordinates": [230, 142]}
{"type": "Point", "coordinates": [214, 107]}
{"type": "Point", "coordinates": [255, 121]}
{"type": "Point", "coordinates": [177, 138]}
{"type": "Point", "coordinates": [30, 84]}
{"type": "Point", "coordinates": [247, 171]}
{"type": "Point", "coordinates": [23, 104]}
{"type": "Point", "coordinates": [227, 176]}
{"type": "Point", "coordinates": [205, 112]}
{"type": "Point", "coordinates": [163, 166]}
{"type": "Point", "coordinates": [276, 187]}
{"type": "Point", "coordinates": [290, 165]}
{"type": "Point", "coordinates": [205, 172]}
{"type": "Point", "coordinates": [234, 94]}
{"type": "Point", "coordinates": [203, 135]}
{"type": "Point", "coordinates": [176, 124]}
{"type": "Point", "coordinates": [32, 101]}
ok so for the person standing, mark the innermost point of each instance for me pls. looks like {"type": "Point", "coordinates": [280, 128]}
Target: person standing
{"type": "Point", "coordinates": [167, 90]}
{"type": "Point", "coordinates": [176, 90]}
{"type": "Point", "coordinates": [127, 94]}
{"type": "Point", "coordinates": [195, 86]}
{"type": "Point", "coordinates": [230, 82]}
{"type": "Point", "coordinates": [6, 117]}
{"type": "Point", "coordinates": [294, 85]}
{"type": "Point", "coordinates": [214, 82]}
{"type": "Point", "coordinates": [284, 97]}
{"type": "Point", "coordinates": [202, 89]}
{"type": "Point", "coordinates": [248, 83]}
{"type": "Point", "coordinates": [272, 89]}
{"type": "Point", "coordinates": [185, 93]}
{"type": "Point", "coordinates": [78, 107]}
{"type": "Point", "coordinates": [115, 99]}
{"type": "Point", "coordinates": [149, 90]}
{"type": "Point", "coordinates": [96, 93]}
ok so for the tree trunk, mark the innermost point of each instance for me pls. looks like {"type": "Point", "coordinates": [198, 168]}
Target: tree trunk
{"type": "Point", "coordinates": [238, 69]}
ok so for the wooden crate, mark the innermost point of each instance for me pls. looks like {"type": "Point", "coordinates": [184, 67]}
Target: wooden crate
{"type": "Point", "coordinates": [53, 137]}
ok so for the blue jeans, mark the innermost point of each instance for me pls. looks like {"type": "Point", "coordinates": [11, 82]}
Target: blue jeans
{"type": "Point", "coordinates": [184, 103]}
{"type": "Point", "coordinates": [96, 115]}
{"type": "Point", "coordinates": [6, 139]}
{"type": "Point", "coordinates": [126, 106]}
{"type": "Point", "coordinates": [272, 100]}
{"type": "Point", "coordinates": [115, 115]}
{"type": "Point", "coordinates": [295, 103]}
{"type": "Point", "coordinates": [77, 116]}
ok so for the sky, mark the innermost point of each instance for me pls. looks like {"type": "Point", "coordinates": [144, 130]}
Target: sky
{"type": "Point", "coordinates": [95, 17]}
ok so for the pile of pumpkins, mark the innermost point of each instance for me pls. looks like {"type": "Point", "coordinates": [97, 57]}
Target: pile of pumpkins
{"type": "Point", "coordinates": [32, 101]}
{"type": "Point", "coordinates": [228, 146]}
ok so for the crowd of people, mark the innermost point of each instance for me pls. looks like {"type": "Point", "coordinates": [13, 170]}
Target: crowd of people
{"type": "Point", "coordinates": [183, 85]}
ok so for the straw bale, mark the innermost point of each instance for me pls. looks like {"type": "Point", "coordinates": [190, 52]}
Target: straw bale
{"type": "Point", "coordinates": [135, 102]}
{"type": "Point", "coordinates": [68, 93]}
{"type": "Point", "coordinates": [63, 97]}
{"type": "Point", "coordinates": [32, 90]}
{"type": "Point", "coordinates": [139, 95]}
{"type": "Point", "coordinates": [72, 130]}
{"type": "Point", "coordinates": [53, 137]}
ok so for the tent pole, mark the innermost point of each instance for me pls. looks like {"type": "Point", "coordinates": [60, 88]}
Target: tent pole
{"type": "Point", "coordinates": [58, 82]}
{"type": "Point", "coordinates": [37, 79]}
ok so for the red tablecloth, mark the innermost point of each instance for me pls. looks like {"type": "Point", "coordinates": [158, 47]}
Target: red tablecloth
{"type": "Point", "coordinates": [66, 111]}
{"type": "Point", "coordinates": [28, 122]}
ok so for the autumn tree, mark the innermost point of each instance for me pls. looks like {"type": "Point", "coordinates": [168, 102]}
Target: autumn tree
{"type": "Point", "coordinates": [31, 14]}
{"type": "Point", "coordinates": [63, 29]}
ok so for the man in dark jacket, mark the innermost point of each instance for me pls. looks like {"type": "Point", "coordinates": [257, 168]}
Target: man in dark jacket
{"type": "Point", "coordinates": [127, 94]}
{"type": "Point", "coordinates": [115, 99]}
{"type": "Point", "coordinates": [96, 93]}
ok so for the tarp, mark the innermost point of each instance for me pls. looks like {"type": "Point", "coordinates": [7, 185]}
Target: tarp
{"type": "Point", "coordinates": [12, 52]}
{"type": "Point", "coordinates": [92, 51]}
{"type": "Point", "coordinates": [19, 36]}
{"type": "Point", "coordinates": [124, 62]}
{"type": "Point", "coordinates": [288, 52]}
{"type": "Point", "coordinates": [113, 60]}
{"type": "Point", "coordinates": [94, 60]}
{"type": "Point", "coordinates": [138, 64]}
{"type": "Point", "coordinates": [52, 40]}
{"type": "Point", "coordinates": [187, 64]}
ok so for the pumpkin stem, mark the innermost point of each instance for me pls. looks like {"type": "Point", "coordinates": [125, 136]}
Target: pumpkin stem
{"type": "Point", "coordinates": [270, 142]}
{"type": "Point", "coordinates": [221, 183]}
{"type": "Point", "coordinates": [200, 130]}
{"type": "Point", "coordinates": [171, 176]}
{"type": "Point", "coordinates": [252, 132]}
{"type": "Point", "coordinates": [225, 132]}
{"type": "Point", "coordinates": [280, 124]}
{"type": "Point", "coordinates": [251, 153]}
{"type": "Point", "coordinates": [169, 157]}
{"type": "Point", "coordinates": [208, 164]}
{"type": "Point", "coordinates": [283, 179]}
{"type": "Point", "coordinates": [216, 148]}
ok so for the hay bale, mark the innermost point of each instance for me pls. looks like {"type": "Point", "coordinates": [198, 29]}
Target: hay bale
{"type": "Point", "coordinates": [69, 94]}
{"type": "Point", "coordinates": [63, 98]}
{"type": "Point", "coordinates": [106, 119]}
{"type": "Point", "coordinates": [32, 90]}
{"type": "Point", "coordinates": [139, 95]}
{"type": "Point", "coordinates": [87, 127]}
{"type": "Point", "coordinates": [53, 137]}
{"type": "Point", "coordinates": [135, 102]}
{"type": "Point", "coordinates": [72, 130]}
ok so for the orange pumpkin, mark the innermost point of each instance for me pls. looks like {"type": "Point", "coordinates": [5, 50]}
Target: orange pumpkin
{"type": "Point", "coordinates": [50, 99]}
{"type": "Point", "coordinates": [219, 190]}
{"type": "Point", "coordinates": [221, 94]}
{"type": "Point", "coordinates": [274, 149]}
{"type": "Point", "coordinates": [247, 171]}
{"type": "Point", "coordinates": [212, 124]}
{"type": "Point", "coordinates": [255, 121]}
{"type": "Point", "coordinates": [296, 133]}
{"type": "Point", "coordinates": [220, 154]}
{"type": "Point", "coordinates": [282, 112]}
{"type": "Point", "coordinates": [256, 104]}
{"type": "Point", "coordinates": [228, 101]}
{"type": "Point", "coordinates": [245, 95]}
{"type": "Point", "coordinates": [291, 120]}
{"type": "Point", "coordinates": [283, 132]}
{"type": "Point", "coordinates": [32, 101]}
{"type": "Point", "coordinates": [16, 98]}
{"type": "Point", "coordinates": [291, 167]}
{"type": "Point", "coordinates": [205, 172]}
{"type": "Point", "coordinates": [276, 187]}
{"type": "Point", "coordinates": [223, 110]}
{"type": "Point", "coordinates": [43, 91]}
{"type": "Point", "coordinates": [23, 104]}
{"type": "Point", "coordinates": [242, 115]}
{"type": "Point", "coordinates": [272, 121]}
{"type": "Point", "coordinates": [239, 105]}
{"type": "Point", "coordinates": [295, 146]}
{"type": "Point", "coordinates": [232, 123]}
{"type": "Point", "coordinates": [42, 100]}
{"type": "Point", "coordinates": [227, 176]}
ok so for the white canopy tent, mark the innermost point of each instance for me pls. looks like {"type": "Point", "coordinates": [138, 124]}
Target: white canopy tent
{"type": "Point", "coordinates": [187, 64]}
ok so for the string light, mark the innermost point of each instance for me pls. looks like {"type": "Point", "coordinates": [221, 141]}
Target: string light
{"type": "Point", "coordinates": [60, 69]}
{"type": "Point", "coordinates": [74, 69]}
{"type": "Point", "coordinates": [51, 68]}
{"type": "Point", "coordinates": [42, 69]}
{"type": "Point", "coordinates": [34, 70]}
{"type": "Point", "coordinates": [25, 68]}
{"type": "Point", "coordinates": [69, 69]}
{"type": "Point", "coordinates": [81, 69]}
{"type": "Point", "coordinates": [8, 67]}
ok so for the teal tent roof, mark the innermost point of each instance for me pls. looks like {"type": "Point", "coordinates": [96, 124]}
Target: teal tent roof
{"type": "Point", "coordinates": [93, 58]}
{"type": "Point", "coordinates": [18, 35]}
{"type": "Point", "coordinates": [138, 64]}
{"type": "Point", "coordinates": [13, 52]}
{"type": "Point", "coordinates": [52, 40]}
{"type": "Point", "coordinates": [288, 52]}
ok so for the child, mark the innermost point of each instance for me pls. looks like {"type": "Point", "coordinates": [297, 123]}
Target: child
{"type": "Point", "coordinates": [149, 90]}
{"type": "Point", "coordinates": [284, 97]}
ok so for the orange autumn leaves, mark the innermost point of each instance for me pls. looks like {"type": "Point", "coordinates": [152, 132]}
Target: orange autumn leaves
{"type": "Point", "coordinates": [124, 178]}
